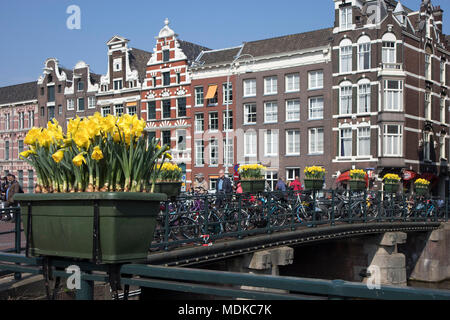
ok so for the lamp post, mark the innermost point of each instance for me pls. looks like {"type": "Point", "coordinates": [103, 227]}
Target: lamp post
{"type": "Point", "coordinates": [233, 65]}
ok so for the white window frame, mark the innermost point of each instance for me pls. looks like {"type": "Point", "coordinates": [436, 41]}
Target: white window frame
{"type": "Point", "coordinates": [442, 147]}
{"type": "Point", "coordinates": [92, 102]}
{"type": "Point", "coordinates": [292, 82]}
{"type": "Point", "coordinates": [346, 58]}
{"type": "Point", "coordinates": [117, 64]}
{"type": "Point", "coordinates": [228, 152]}
{"type": "Point", "coordinates": [227, 93]}
{"type": "Point", "coordinates": [132, 110]}
{"type": "Point", "coordinates": [400, 99]}
{"type": "Point", "coordinates": [250, 144]}
{"type": "Point", "coordinates": [197, 121]}
{"type": "Point", "coordinates": [427, 147]}
{"type": "Point", "coordinates": [363, 139]}
{"type": "Point", "coordinates": [271, 112]}
{"type": "Point", "coordinates": [271, 142]}
{"type": "Point", "coordinates": [106, 108]}
{"type": "Point", "coordinates": [314, 108]}
{"type": "Point", "coordinates": [346, 18]}
{"type": "Point", "coordinates": [442, 72]}
{"type": "Point", "coordinates": [249, 88]}
{"type": "Point", "coordinates": [428, 66]}
{"type": "Point", "coordinates": [443, 110]}
{"type": "Point", "coordinates": [115, 110]}
{"type": "Point", "coordinates": [78, 104]}
{"type": "Point", "coordinates": [70, 104]}
{"type": "Point", "coordinates": [270, 85]}
{"type": "Point", "coordinates": [364, 97]}
{"type": "Point", "coordinates": [118, 81]}
{"type": "Point", "coordinates": [199, 153]}
{"type": "Point", "coordinates": [389, 49]}
{"type": "Point", "coordinates": [252, 113]}
{"type": "Point", "coordinates": [345, 135]}
{"type": "Point", "coordinates": [293, 142]}
{"type": "Point", "coordinates": [291, 111]}
{"type": "Point", "coordinates": [199, 96]}
{"type": "Point", "coordinates": [428, 108]}
{"type": "Point", "coordinates": [227, 120]}
{"type": "Point", "coordinates": [183, 145]}
{"type": "Point", "coordinates": [392, 136]}
{"type": "Point", "coordinates": [315, 80]}
{"type": "Point", "coordinates": [313, 136]}
{"type": "Point", "coordinates": [215, 113]}
{"type": "Point", "coordinates": [346, 99]}
{"type": "Point", "coordinates": [364, 53]}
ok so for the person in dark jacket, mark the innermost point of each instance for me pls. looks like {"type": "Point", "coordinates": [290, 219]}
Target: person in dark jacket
{"type": "Point", "coordinates": [224, 188]}
{"type": "Point", "coordinates": [13, 188]}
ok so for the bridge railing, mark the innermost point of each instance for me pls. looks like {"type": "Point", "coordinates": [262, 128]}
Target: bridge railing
{"type": "Point", "coordinates": [203, 219]}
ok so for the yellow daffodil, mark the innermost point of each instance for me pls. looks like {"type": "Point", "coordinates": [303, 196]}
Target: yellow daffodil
{"type": "Point", "coordinates": [79, 160]}
{"type": "Point", "coordinates": [27, 153]}
{"type": "Point", "coordinates": [58, 156]}
{"type": "Point", "coordinates": [97, 154]}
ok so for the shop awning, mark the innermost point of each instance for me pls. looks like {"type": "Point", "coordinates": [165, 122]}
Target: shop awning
{"type": "Point", "coordinates": [345, 176]}
{"type": "Point", "coordinates": [211, 92]}
{"type": "Point", "coordinates": [131, 104]}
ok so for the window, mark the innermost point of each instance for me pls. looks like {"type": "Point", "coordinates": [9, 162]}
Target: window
{"type": "Point", "coordinates": [293, 142]}
{"type": "Point", "coordinates": [80, 104]}
{"type": "Point", "coordinates": [6, 150]}
{"type": "Point", "coordinates": [199, 122]}
{"type": "Point", "coordinates": [166, 78]}
{"type": "Point", "coordinates": [80, 85]}
{"type": "Point", "coordinates": [393, 95]}
{"type": "Point", "coordinates": [151, 110]}
{"type": "Point", "coordinates": [199, 152]}
{"type": "Point", "coordinates": [20, 147]}
{"type": "Point", "coordinates": [228, 120]}
{"type": "Point", "coordinates": [30, 119]}
{"type": "Point", "coordinates": [388, 52]}
{"type": "Point", "coordinates": [293, 110]}
{"type": "Point", "coordinates": [250, 88]}
{"type": "Point", "coordinates": [442, 149]}
{"type": "Point", "coordinates": [427, 106]}
{"type": "Point", "coordinates": [364, 56]}
{"type": "Point", "coordinates": [199, 96]}
{"type": "Point", "coordinates": [166, 138]}
{"type": "Point", "coordinates": [271, 143]}
{"type": "Point", "coordinates": [51, 94]}
{"type": "Point", "coordinates": [42, 112]}
{"type": "Point", "coordinates": [316, 108]}
{"type": "Point", "coordinates": [42, 91]}
{"type": "Point", "coordinates": [250, 144]}
{"type": "Point", "coordinates": [270, 112]}
{"type": "Point", "coordinates": [150, 136]}
{"type": "Point", "coordinates": [30, 181]}
{"type": "Point", "coordinates": [442, 72]}
{"type": "Point", "coordinates": [270, 85]}
{"type": "Point", "coordinates": [51, 113]}
{"type": "Point", "coordinates": [166, 55]}
{"type": "Point", "coordinates": [91, 102]}
{"type": "Point", "coordinates": [428, 66]}
{"type": "Point", "coordinates": [117, 64]}
{"type": "Point", "coordinates": [427, 147]}
{"type": "Point", "coordinates": [214, 152]}
{"type": "Point", "coordinates": [292, 82]}
{"type": "Point", "coordinates": [346, 58]}
{"type": "Point", "coordinates": [181, 140]}
{"type": "Point", "coordinates": [181, 102]}
{"type": "Point", "coordinates": [8, 122]}
{"type": "Point", "coordinates": [70, 104]}
{"type": "Point", "coordinates": [60, 109]}
{"type": "Point", "coordinates": [213, 100]}
{"type": "Point", "coordinates": [315, 79]}
{"type": "Point", "coordinates": [292, 173]}
{"type": "Point", "coordinates": [228, 152]}
{"type": "Point", "coordinates": [250, 113]}
{"type": "Point", "coordinates": [316, 141]}
{"type": "Point", "coordinates": [272, 179]}
{"type": "Point", "coordinates": [106, 110]}
{"type": "Point", "coordinates": [346, 18]}
{"type": "Point", "coordinates": [21, 120]}
{"type": "Point", "coordinates": [118, 110]}
{"type": "Point", "coordinates": [345, 143]}
{"type": "Point", "coordinates": [132, 110]}
{"type": "Point", "coordinates": [104, 88]}
{"type": "Point", "coordinates": [443, 110]}
{"type": "Point", "coordinates": [118, 85]}
{"type": "Point", "coordinates": [393, 140]}
{"type": "Point", "coordinates": [227, 93]}
{"type": "Point", "coordinates": [154, 81]}
{"type": "Point", "coordinates": [213, 183]}
{"type": "Point", "coordinates": [345, 106]}
{"type": "Point", "coordinates": [59, 88]}
{"type": "Point", "coordinates": [214, 121]}
{"type": "Point", "coordinates": [364, 98]}
{"type": "Point", "coordinates": [166, 109]}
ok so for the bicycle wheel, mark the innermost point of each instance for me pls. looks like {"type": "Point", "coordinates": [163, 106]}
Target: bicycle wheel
{"type": "Point", "coordinates": [278, 216]}
{"type": "Point", "coordinates": [185, 228]}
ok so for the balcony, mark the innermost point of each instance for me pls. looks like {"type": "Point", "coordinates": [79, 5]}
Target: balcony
{"type": "Point", "coordinates": [391, 69]}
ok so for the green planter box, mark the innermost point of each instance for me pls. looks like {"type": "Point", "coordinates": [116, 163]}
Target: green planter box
{"type": "Point", "coordinates": [62, 225]}
{"type": "Point", "coordinates": [171, 189]}
{"type": "Point", "coordinates": [253, 186]}
{"type": "Point", "coordinates": [391, 187]}
{"type": "Point", "coordinates": [314, 184]}
{"type": "Point", "coordinates": [421, 191]}
{"type": "Point", "coordinates": [357, 185]}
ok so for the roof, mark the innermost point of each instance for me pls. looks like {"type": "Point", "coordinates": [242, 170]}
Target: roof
{"type": "Point", "coordinates": [18, 93]}
{"type": "Point", "coordinates": [218, 56]}
{"type": "Point", "coordinates": [191, 50]}
{"type": "Point", "coordinates": [289, 43]}
{"type": "Point", "coordinates": [138, 61]}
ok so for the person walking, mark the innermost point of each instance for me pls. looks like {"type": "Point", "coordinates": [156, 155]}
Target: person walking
{"type": "Point", "coordinates": [223, 188]}
{"type": "Point", "coordinates": [200, 185]}
{"type": "Point", "coordinates": [281, 186]}
{"type": "Point", "coordinates": [296, 185]}
{"type": "Point", "coordinates": [13, 188]}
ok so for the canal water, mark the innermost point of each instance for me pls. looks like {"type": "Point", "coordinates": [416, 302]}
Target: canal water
{"type": "Point", "coordinates": [444, 285]}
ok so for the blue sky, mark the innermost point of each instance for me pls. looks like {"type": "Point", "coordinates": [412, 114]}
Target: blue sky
{"type": "Point", "coordinates": [33, 31]}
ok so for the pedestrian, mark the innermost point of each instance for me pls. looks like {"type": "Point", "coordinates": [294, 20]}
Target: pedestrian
{"type": "Point", "coordinates": [281, 186]}
{"type": "Point", "coordinates": [239, 188]}
{"type": "Point", "coordinates": [200, 185]}
{"type": "Point", "coordinates": [223, 188]}
{"type": "Point", "coordinates": [13, 188]}
{"type": "Point", "coordinates": [296, 185]}
{"type": "Point", "coordinates": [3, 188]}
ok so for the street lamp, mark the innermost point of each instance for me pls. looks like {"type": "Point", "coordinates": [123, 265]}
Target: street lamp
{"type": "Point", "coordinates": [234, 65]}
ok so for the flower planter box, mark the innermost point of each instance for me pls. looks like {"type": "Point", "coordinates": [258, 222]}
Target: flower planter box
{"type": "Point", "coordinates": [421, 191]}
{"type": "Point", "coordinates": [314, 184]}
{"type": "Point", "coordinates": [253, 186]}
{"type": "Point", "coordinates": [171, 189]}
{"type": "Point", "coordinates": [391, 187]}
{"type": "Point", "coordinates": [357, 185]}
{"type": "Point", "coordinates": [63, 225]}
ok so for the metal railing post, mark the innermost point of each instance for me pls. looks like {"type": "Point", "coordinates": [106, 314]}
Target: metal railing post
{"type": "Point", "coordinates": [18, 238]}
{"type": "Point", "coordinates": [167, 226]}
{"type": "Point", "coordinates": [239, 199]}
{"type": "Point", "coordinates": [86, 291]}
{"type": "Point", "coordinates": [333, 208]}
{"type": "Point", "coordinates": [365, 206]}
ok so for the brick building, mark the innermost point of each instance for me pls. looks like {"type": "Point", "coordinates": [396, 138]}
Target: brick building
{"type": "Point", "coordinates": [18, 113]}
{"type": "Point", "coordinates": [166, 96]}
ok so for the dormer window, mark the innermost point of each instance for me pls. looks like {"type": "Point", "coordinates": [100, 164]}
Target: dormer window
{"type": "Point", "coordinates": [80, 86]}
{"type": "Point", "coordinates": [346, 18]}
{"type": "Point", "coordinates": [118, 85]}
{"type": "Point", "coordinates": [118, 64]}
